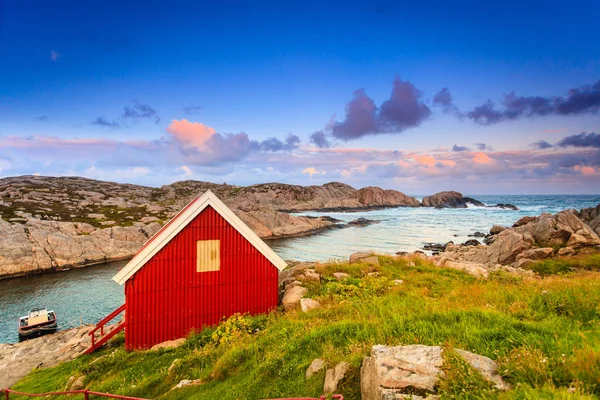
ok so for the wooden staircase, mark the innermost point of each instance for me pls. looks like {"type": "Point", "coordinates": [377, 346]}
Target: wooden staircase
{"type": "Point", "coordinates": [100, 335]}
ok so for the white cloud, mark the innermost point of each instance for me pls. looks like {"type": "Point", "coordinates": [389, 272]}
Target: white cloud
{"type": "Point", "coordinates": [185, 170]}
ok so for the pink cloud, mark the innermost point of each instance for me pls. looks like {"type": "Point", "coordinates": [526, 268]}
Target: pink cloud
{"type": "Point", "coordinates": [448, 163]}
{"type": "Point", "coordinates": [191, 134]}
{"type": "Point", "coordinates": [586, 171]}
{"type": "Point", "coordinates": [426, 160]}
{"type": "Point", "coordinates": [482, 158]}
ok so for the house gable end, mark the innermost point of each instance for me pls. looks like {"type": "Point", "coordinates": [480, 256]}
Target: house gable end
{"type": "Point", "coordinates": [183, 219]}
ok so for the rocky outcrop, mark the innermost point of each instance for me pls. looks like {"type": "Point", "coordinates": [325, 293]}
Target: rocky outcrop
{"type": "Point", "coordinates": [530, 239]}
{"type": "Point", "coordinates": [506, 206]}
{"type": "Point", "coordinates": [292, 282]}
{"type": "Point", "coordinates": [270, 224]}
{"type": "Point", "coordinates": [414, 372]}
{"type": "Point", "coordinates": [39, 246]}
{"type": "Point", "coordinates": [591, 216]}
{"type": "Point", "coordinates": [449, 199]}
{"type": "Point", "coordinates": [332, 196]}
{"type": "Point", "coordinates": [19, 359]}
{"type": "Point", "coordinates": [363, 222]}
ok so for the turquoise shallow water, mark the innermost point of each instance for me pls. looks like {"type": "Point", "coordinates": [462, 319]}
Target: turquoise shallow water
{"type": "Point", "coordinates": [90, 293]}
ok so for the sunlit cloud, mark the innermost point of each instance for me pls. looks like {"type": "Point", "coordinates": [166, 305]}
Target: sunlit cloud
{"type": "Point", "coordinates": [312, 171]}
{"type": "Point", "coordinates": [191, 134]}
{"type": "Point", "coordinates": [481, 158]}
{"type": "Point", "coordinates": [426, 160]}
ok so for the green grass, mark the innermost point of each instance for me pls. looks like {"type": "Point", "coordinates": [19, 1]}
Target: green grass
{"type": "Point", "coordinates": [544, 334]}
{"type": "Point", "coordinates": [563, 265]}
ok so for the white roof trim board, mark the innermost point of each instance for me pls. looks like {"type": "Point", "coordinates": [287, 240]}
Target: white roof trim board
{"type": "Point", "coordinates": [180, 221]}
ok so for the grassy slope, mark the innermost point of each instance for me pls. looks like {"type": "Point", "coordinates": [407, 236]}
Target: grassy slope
{"type": "Point", "coordinates": [544, 333]}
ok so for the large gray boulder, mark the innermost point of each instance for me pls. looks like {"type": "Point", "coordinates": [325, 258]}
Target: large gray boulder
{"type": "Point", "coordinates": [414, 371]}
{"type": "Point", "coordinates": [292, 297]}
{"type": "Point", "coordinates": [391, 372]}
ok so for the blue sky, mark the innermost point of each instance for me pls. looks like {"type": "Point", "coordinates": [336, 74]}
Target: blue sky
{"type": "Point", "coordinates": [153, 92]}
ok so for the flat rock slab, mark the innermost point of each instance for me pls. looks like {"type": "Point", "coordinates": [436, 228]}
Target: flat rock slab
{"type": "Point", "coordinates": [366, 258]}
{"type": "Point", "coordinates": [400, 371]}
{"type": "Point", "coordinates": [19, 359]}
{"type": "Point", "coordinates": [169, 344]}
{"type": "Point", "coordinates": [309, 304]}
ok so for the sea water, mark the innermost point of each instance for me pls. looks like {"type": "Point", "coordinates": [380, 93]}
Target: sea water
{"type": "Point", "coordinates": [408, 229]}
{"type": "Point", "coordinates": [89, 294]}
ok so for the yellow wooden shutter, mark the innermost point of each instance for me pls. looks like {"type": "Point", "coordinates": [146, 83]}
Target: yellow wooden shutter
{"type": "Point", "coordinates": [208, 255]}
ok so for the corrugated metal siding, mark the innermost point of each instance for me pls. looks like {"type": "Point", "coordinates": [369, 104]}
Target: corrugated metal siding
{"type": "Point", "coordinates": [167, 297]}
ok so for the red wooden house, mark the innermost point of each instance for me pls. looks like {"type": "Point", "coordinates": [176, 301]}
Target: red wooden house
{"type": "Point", "coordinates": [203, 265]}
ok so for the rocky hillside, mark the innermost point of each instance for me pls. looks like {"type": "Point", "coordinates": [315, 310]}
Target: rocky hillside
{"type": "Point", "coordinates": [52, 223]}
{"type": "Point", "coordinates": [332, 196]}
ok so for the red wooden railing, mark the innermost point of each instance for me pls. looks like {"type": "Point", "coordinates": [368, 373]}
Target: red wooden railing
{"type": "Point", "coordinates": [86, 394]}
{"type": "Point", "coordinates": [104, 335]}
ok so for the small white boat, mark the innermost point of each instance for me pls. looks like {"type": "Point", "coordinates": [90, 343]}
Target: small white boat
{"type": "Point", "coordinates": [38, 322]}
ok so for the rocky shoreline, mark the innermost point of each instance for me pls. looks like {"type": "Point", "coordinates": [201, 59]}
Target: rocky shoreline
{"type": "Point", "coordinates": [52, 224]}
{"type": "Point", "coordinates": [19, 359]}
{"type": "Point", "coordinates": [530, 239]}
